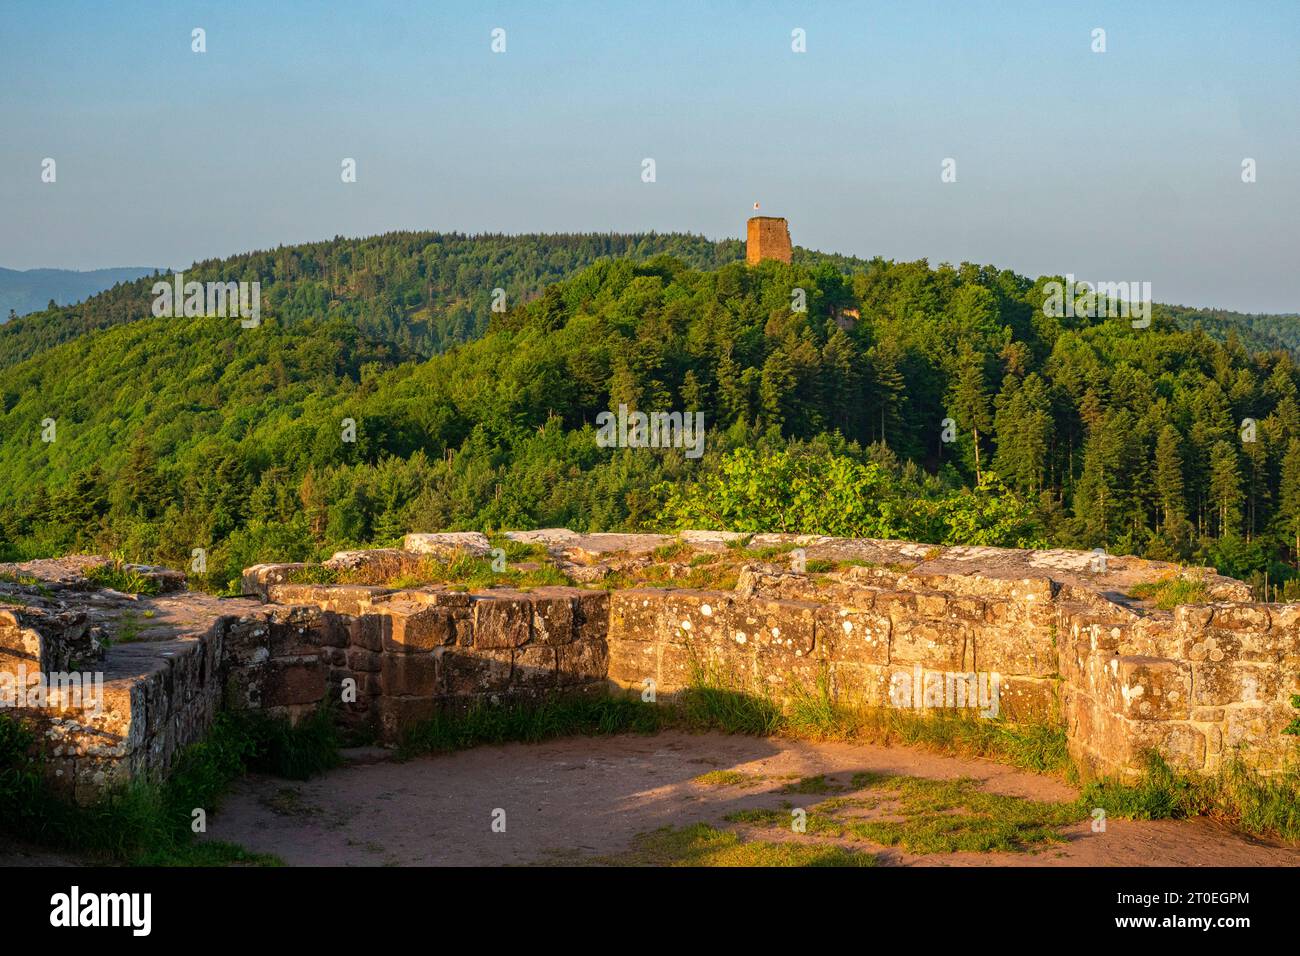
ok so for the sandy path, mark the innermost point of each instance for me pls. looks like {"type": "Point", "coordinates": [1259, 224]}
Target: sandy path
{"type": "Point", "coordinates": [578, 797]}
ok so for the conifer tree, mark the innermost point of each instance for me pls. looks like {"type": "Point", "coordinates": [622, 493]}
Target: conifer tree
{"type": "Point", "coordinates": [969, 402]}
{"type": "Point", "coordinates": [1225, 487]}
{"type": "Point", "coordinates": [1169, 479]}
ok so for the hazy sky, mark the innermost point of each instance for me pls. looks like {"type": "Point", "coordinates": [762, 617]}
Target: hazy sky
{"type": "Point", "coordinates": [1123, 165]}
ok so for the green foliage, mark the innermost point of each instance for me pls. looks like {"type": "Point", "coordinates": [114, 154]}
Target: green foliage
{"type": "Point", "coordinates": [1294, 726]}
{"type": "Point", "coordinates": [839, 495]}
{"type": "Point", "coordinates": [423, 291]}
{"type": "Point", "coordinates": [148, 823]}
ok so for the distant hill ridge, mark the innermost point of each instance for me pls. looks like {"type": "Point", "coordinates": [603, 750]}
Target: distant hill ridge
{"type": "Point", "coordinates": [31, 290]}
{"type": "Point", "coordinates": [423, 292]}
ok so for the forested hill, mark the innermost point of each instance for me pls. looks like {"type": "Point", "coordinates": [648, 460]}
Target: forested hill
{"type": "Point", "coordinates": [419, 291]}
{"type": "Point", "coordinates": [178, 434]}
{"type": "Point", "coordinates": [422, 292]}
{"type": "Point", "coordinates": [1257, 331]}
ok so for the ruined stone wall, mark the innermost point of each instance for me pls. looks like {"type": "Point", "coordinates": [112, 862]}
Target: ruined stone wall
{"type": "Point", "coordinates": [1038, 635]}
{"type": "Point", "coordinates": [121, 717]}
{"type": "Point", "coordinates": [903, 644]}
{"type": "Point", "coordinates": [1200, 685]}
{"type": "Point", "coordinates": [407, 653]}
{"type": "Point", "coordinates": [1018, 635]}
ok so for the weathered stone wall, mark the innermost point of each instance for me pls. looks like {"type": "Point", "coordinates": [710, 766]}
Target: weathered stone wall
{"type": "Point", "coordinates": [1206, 682]}
{"type": "Point", "coordinates": [1057, 639]}
{"type": "Point", "coordinates": [1043, 634]}
{"type": "Point", "coordinates": [409, 652]}
{"type": "Point", "coordinates": [126, 716]}
{"type": "Point", "coordinates": [779, 634]}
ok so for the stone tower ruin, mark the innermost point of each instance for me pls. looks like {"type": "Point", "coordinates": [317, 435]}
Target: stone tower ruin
{"type": "Point", "coordinates": [768, 238]}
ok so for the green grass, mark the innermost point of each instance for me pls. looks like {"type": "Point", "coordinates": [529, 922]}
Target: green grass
{"type": "Point", "coordinates": [149, 823]}
{"type": "Point", "coordinates": [812, 785]}
{"type": "Point", "coordinates": [568, 716]}
{"type": "Point", "coordinates": [937, 816]}
{"type": "Point", "coordinates": [119, 577]}
{"type": "Point", "coordinates": [728, 778]}
{"type": "Point", "coordinates": [816, 713]}
{"type": "Point", "coordinates": [702, 845]}
{"type": "Point", "coordinates": [1256, 804]}
{"type": "Point", "coordinates": [712, 703]}
{"type": "Point", "coordinates": [516, 551]}
{"type": "Point", "coordinates": [673, 549]}
{"type": "Point", "coordinates": [1169, 593]}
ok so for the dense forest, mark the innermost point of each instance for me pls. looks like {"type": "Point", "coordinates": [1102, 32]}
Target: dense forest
{"type": "Point", "coordinates": [1257, 331]}
{"type": "Point", "coordinates": [951, 409]}
{"type": "Point", "coordinates": [420, 291]}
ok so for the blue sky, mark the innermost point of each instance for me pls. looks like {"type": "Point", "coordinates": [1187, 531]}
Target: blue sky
{"type": "Point", "coordinates": [1117, 166]}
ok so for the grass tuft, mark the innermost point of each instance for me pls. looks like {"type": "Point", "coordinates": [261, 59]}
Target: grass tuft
{"type": "Point", "coordinates": [703, 845]}
{"type": "Point", "coordinates": [1169, 593]}
{"type": "Point", "coordinates": [118, 576]}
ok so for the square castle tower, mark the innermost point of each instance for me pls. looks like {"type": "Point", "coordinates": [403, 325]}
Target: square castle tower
{"type": "Point", "coordinates": [768, 237]}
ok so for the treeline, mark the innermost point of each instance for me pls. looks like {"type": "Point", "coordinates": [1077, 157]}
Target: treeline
{"type": "Point", "coordinates": [1257, 331]}
{"type": "Point", "coordinates": [419, 291]}
{"type": "Point", "coordinates": [952, 386]}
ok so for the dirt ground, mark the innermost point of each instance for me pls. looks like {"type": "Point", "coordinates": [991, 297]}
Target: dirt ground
{"type": "Point", "coordinates": [569, 800]}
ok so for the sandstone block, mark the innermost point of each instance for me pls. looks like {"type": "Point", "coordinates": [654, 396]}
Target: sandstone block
{"type": "Point", "coordinates": [1022, 650]}
{"type": "Point", "coordinates": [1241, 617]}
{"type": "Point", "coordinates": [534, 666]}
{"type": "Point", "coordinates": [448, 543]}
{"type": "Point", "coordinates": [852, 635]}
{"type": "Point", "coordinates": [633, 615]}
{"type": "Point", "coordinates": [409, 675]}
{"type": "Point", "coordinates": [591, 610]}
{"type": "Point", "coordinates": [1029, 699]}
{"type": "Point", "coordinates": [898, 606]}
{"type": "Point", "coordinates": [364, 661]}
{"type": "Point", "coordinates": [502, 622]}
{"type": "Point", "coordinates": [293, 682]}
{"type": "Point", "coordinates": [785, 630]}
{"type": "Point", "coordinates": [696, 617]}
{"type": "Point", "coordinates": [581, 662]}
{"type": "Point", "coordinates": [397, 715]}
{"type": "Point", "coordinates": [1182, 744]}
{"type": "Point", "coordinates": [409, 626]}
{"type": "Point", "coordinates": [367, 632]}
{"type": "Point", "coordinates": [257, 579]}
{"type": "Point", "coordinates": [1154, 688]}
{"type": "Point", "coordinates": [555, 617]}
{"type": "Point", "coordinates": [632, 662]}
{"type": "Point", "coordinates": [941, 645]}
{"type": "Point", "coordinates": [479, 671]}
